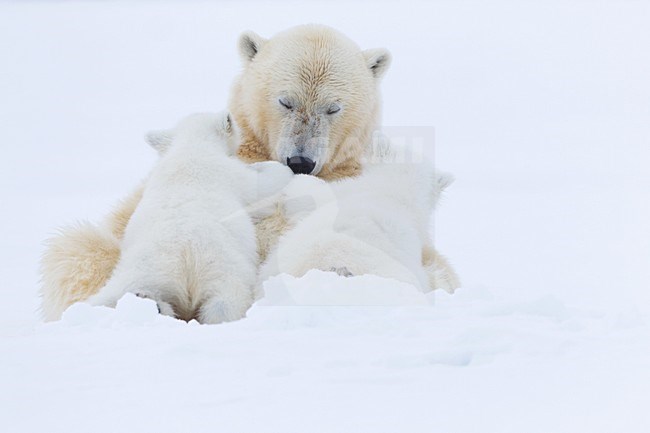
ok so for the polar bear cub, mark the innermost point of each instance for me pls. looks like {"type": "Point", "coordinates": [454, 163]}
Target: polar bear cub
{"type": "Point", "coordinates": [190, 245]}
{"type": "Point", "coordinates": [372, 224]}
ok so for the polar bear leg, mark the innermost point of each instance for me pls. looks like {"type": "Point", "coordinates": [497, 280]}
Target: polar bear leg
{"type": "Point", "coordinates": [269, 229]}
{"type": "Point", "coordinates": [268, 180]}
{"type": "Point", "coordinates": [112, 292]}
{"type": "Point", "coordinates": [225, 302]}
{"type": "Point", "coordinates": [108, 295]}
{"type": "Point", "coordinates": [440, 273]}
{"type": "Point", "coordinates": [164, 308]}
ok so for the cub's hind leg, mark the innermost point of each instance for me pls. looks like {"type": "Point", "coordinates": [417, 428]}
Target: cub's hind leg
{"type": "Point", "coordinates": [164, 308]}
{"type": "Point", "coordinates": [226, 301]}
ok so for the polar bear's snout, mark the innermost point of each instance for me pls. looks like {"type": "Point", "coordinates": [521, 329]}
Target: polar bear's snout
{"type": "Point", "coordinates": [301, 164]}
{"type": "Point", "coordinates": [303, 142]}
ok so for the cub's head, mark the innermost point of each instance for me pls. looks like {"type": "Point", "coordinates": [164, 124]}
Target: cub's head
{"type": "Point", "coordinates": [404, 173]}
{"type": "Point", "coordinates": [216, 129]}
{"type": "Point", "coordinates": [308, 98]}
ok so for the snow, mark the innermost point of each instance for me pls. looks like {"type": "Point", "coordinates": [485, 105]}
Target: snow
{"type": "Point", "coordinates": [326, 288]}
{"type": "Point", "coordinates": [540, 111]}
{"type": "Point", "coordinates": [478, 359]}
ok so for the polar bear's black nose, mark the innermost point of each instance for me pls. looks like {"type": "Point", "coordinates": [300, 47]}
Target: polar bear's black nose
{"type": "Point", "coordinates": [301, 165]}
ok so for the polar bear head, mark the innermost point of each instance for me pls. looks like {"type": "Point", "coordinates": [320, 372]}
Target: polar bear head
{"type": "Point", "coordinates": [308, 98]}
{"type": "Point", "coordinates": [218, 128]}
{"type": "Point", "coordinates": [404, 176]}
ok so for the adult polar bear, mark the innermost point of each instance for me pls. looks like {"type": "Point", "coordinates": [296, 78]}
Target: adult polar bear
{"type": "Point", "coordinates": [307, 97]}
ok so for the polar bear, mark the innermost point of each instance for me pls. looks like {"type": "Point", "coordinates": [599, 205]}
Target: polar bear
{"type": "Point", "coordinates": [190, 245]}
{"type": "Point", "coordinates": [308, 98]}
{"type": "Point", "coordinates": [372, 224]}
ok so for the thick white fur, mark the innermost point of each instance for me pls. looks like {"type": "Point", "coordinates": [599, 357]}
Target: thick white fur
{"type": "Point", "coordinates": [313, 64]}
{"type": "Point", "coordinates": [313, 68]}
{"type": "Point", "coordinates": [373, 224]}
{"type": "Point", "coordinates": [190, 244]}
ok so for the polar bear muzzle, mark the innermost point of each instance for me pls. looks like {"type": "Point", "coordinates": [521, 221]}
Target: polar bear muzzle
{"type": "Point", "coordinates": [301, 164]}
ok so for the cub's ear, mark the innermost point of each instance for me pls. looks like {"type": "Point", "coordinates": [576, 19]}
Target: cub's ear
{"type": "Point", "coordinates": [250, 43]}
{"type": "Point", "coordinates": [227, 124]}
{"type": "Point", "coordinates": [224, 124]}
{"type": "Point", "coordinates": [443, 180]}
{"type": "Point", "coordinates": [159, 140]}
{"type": "Point", "coordinates": [378, 61]}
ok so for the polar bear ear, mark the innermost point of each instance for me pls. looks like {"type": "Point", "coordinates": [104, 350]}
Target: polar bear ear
{"type": "Point", "coordinates": [377, 60]}
{"type": "Point", "coordinates": [443, 180]}
{"type": "Point", "coordinates": [228, 125]}
{"type": "Point", "coordinates": [250, 43]}
{"type": "Point", "coordinates": [224, 124]}
{"type": "Point", "coordinates": [159, 140]}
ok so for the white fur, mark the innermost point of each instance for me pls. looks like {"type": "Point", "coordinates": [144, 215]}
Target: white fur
{"type": "Point", "coordinates": [372, 224]}
{"type": "Point", "coordinates": [190, 245]}
{"type": "Point", "coordinates": [311, 92]}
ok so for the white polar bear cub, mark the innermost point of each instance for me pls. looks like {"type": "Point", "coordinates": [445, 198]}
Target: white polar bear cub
{"type": "Point", "coordinates": [190, 245]}
{"type": "Point", "coordinates": [371, 224]}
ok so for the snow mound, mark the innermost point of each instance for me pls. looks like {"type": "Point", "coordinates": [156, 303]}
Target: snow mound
{"type": "Point", "coordinates": [362, 347]}
{"type": "Point", "coordinates": [329, 301]}
{"type": "Point", "coordinates": [330, 289]}
{"type": "Point", "coordinates": [129, 311]}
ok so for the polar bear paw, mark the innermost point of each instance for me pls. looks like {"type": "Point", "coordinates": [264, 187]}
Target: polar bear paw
{"type": "Point", "coordinates": [342, 271]}
{"type": "Point", "coordinates": [272, 176]}
{"type": "Point", "coordinates": [440, 273]}
{"type": "Point", "coordinates": [218, 310]}
{"type": "Point", "coordinates": [164, 308]}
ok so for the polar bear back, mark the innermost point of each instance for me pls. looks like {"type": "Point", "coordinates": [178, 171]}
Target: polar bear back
{"type": "Point", "coordinates": [197, 188]}
{"type": "Point", "coordinates": [191, 229]}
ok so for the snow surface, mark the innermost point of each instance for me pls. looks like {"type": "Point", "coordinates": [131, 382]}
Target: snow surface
{"type": "Point", "coordinates": [540, 110]}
